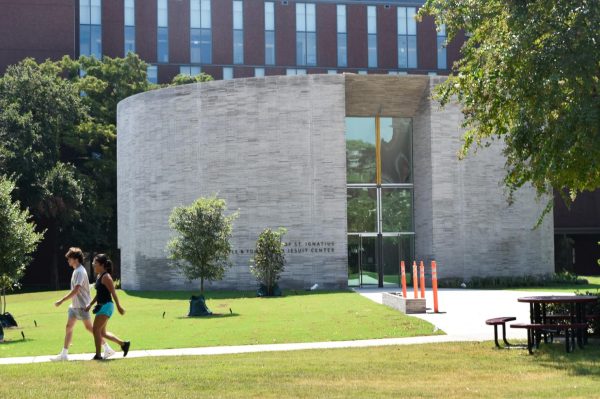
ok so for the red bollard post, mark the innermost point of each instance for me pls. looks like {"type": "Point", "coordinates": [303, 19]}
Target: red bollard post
{"type": "Point", "coordinates": [403, 275]}
{"type": "Point", "coordinates": [434, 286]}
{"type": "Point", "coordinates": [422, 269]}
{"type": "Point", "coordinates": [415, 280]}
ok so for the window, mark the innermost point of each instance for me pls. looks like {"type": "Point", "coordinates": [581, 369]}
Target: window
{"type": "Point", "coordinates": [294, 71]}
{"type": "Point", "coordinates": [441, 47]}
{"type": "Point", "coordinates": [200, 32]}
{"type": "Point", "coordinates": [163, 31]}
{"type": "Point", "coordinates": [362, 72]}
{"type": "Point", "coordinates": [331, 72]}
{"type": "Point", "coordinates": [306, 34]}
{"type": "Point", "coordinates": [372, 35]}
{"type": "Point", "coordinates": [90, 28]}
{"type": "Point", "coordinates": [129, 26]}
{"type": "Point", "coordinates": [152, 74]}
{"type": "Point", "coordinates": [269, 33]}
{"type": "Point", "coordinates": [342, 37]}
{"type": "Point", "coordinates": [227, 73]}
{"type": "Point", "coordinates": [407, 37]}
{"type": "Point", "coordinates": [238, 32]}
{"type": "Point", "coordinates": [190, 70]}
{"type": "Point", "coordinates": [259, 72]}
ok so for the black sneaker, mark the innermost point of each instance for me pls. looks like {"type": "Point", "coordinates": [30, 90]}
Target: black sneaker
{"type": "Point", "coordinates": [97, 357]}
{"type": "Point", "coordinates": [125, 348]}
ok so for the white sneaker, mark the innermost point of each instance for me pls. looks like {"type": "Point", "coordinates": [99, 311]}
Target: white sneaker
{"type": "Point", "coordinates": [60, 358]}
{"type": "Point", "coordinates": [108, 353]}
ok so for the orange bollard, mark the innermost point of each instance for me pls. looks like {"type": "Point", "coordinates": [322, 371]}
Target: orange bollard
{"type": "Point", "coordinates": [415, 280]}
{"type": "Point", "coordinates": [434, 286]}
{"type": "Point", "coordinates": [422, 269]}
{"type": "Point", "coordinates": [403, 274]}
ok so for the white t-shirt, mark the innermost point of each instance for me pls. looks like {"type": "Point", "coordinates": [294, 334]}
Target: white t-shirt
{"type": "Point", "coordinates": [80, 278]}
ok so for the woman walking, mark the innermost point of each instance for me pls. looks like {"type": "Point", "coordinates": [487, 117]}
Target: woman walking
{"type": "Point", "coordinates": [105, 293]}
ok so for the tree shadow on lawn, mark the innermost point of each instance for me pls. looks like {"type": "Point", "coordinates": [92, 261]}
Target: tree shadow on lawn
{"type": "Point", "coordinates": [185, 295]}
{"type": "Point", "coordinates": [210, 316]}
{"type": "Point", "coordinates": [581, 362]}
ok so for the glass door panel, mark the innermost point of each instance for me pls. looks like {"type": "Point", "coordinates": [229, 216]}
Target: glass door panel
{"type": "Point", "coordinates": [368, 261]}
{"type": "Point", "coordinates": [353, 260]}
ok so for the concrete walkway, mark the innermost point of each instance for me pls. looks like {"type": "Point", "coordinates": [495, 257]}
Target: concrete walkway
{"type": "Point", "coordinates": [462, 316]}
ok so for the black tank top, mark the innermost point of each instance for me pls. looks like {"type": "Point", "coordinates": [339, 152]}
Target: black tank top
{"type": "Point", "coordinates": [102, 293]}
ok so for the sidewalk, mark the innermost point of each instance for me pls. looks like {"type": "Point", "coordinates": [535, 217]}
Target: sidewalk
{"type": "Point", "coordinates": [462, 317]}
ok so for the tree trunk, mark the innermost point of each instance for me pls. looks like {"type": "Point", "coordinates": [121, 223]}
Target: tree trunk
{"type": "Point", "coordinates": [3, 302]}
{"type": "Point", "coordinates": [202, 286]}
{"type": "Point", "coordinates": [54, 234]}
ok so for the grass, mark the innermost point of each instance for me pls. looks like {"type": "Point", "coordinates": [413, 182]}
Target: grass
{"type": "Point", "coordinates": [593, 285]}
{"type": "Point", "coordinates": [462, 370]}
{"type": "Point", "coordinates": [300, 317]}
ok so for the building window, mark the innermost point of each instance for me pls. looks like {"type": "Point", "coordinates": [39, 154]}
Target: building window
{"type": "Point", "coordinates": [259, 72]}
{"type": "Point", "coordinates": [238, 32]}
{"type": "Point", "coordinates": [362, 72]}
{"type": "Point", "coordinates": [407, 37]}
{"type": "Point", "coordinates": [379, 198]}
{"type": "Point", "coordinates": [342, 37]}
{"type": "Point", "coordinates": [295, 71]}
{"type": "Point", "coordinates": [269, 33]}
{"type": "Point", "coordinates": [372, 35]}
{"type": "Point", "coordinates": [441, 47]}
{"type": "Point", "coordinates": [90, 28]}
{"type": "Point", "coordinates": [163, 31]}
{"type": "Point", "coordinates": [227, 73]}
{"type": "Point", "coordinates": [129, 9]}
{"type": "Point", "coordinates": [200, 32]}
{"type": "Point", "coordinates": [306, 34]}
{"type": "Point", "coordinates": [189, 70]}
{"type": "Point", "coordinates": [152, 74]}
{"type": "Point", "coordinates": [331, 72]}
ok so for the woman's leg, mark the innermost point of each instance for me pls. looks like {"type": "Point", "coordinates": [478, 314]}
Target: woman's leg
{"type": "Point", "coordinates": [111, 336]}
{"type": "Point", "coordinates": [99, 326]}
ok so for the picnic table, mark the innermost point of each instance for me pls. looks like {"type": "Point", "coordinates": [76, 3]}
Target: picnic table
{"type": "Point", "coordinates": [576, 316]}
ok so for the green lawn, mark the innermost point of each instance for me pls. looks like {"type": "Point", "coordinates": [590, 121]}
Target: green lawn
{"type": "Point", "coordinates": [462, 370]}
{"type": "Point", "coordinates": [297, 317]}
{"type": "Point", "coordinates": [593, 285]}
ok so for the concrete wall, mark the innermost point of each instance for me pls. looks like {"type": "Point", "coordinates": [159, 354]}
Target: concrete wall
{"type": "Point", "coordinates": [272, 147]}
{"type": "Point", "coordinates": [473, 230]}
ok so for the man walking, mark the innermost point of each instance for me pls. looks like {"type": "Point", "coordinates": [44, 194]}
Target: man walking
{"type": "Point", "coordinates": [80, 295]}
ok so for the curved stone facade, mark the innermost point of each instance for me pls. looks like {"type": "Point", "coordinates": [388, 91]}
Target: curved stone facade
{"type": "Point", "coordinates": [273, 148]}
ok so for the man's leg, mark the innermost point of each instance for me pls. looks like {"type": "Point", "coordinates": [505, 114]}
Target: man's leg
{"type": "Point", "coordinates": [69, 332]}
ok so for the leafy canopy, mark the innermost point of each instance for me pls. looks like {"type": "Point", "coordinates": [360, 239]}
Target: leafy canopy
{"type": "Point", "coordinates": [529, 75]}
{"type": "Point", "coordinates": [201, 247]}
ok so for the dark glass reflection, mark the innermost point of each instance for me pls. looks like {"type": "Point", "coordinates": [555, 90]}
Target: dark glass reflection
{"type": "Point", "coordinates": [360, 150]}
{"type": "Point", "coordinates": [396, 209]}
{"type": "Point", "coordinates": [362, 210]}
{"type": "Point", "coordinates": [396, 150]}
{"type": "Point", "coordinates": [395, 250]}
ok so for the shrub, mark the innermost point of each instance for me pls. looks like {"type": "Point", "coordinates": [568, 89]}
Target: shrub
{"type": "Point", "coordinates": [269, 259]}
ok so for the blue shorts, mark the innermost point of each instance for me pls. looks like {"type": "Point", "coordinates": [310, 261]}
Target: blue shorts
{"type": "Point", "coordinates": [106, 310]}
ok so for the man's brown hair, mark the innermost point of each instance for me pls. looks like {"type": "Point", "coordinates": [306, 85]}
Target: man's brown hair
{"type": "Point", "coordinates": [75, 253]}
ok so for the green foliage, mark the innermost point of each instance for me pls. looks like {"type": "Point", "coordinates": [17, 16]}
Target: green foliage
{"type": "Point", "coordinates": [18, 239]}
{"type": "Point", "coordinates": [201, 248]}
{"type": "Point", "coordinates": [269, 258]}
{"type": "Point", "coordinates": [187, 79]}
{"type": "Point", "coordinates": [556, 279]}
{"type": "Point", "coordinates": [530, 76]}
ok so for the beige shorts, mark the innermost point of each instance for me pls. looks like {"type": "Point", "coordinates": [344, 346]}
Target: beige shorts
{"type": "Point", "coordinates": [79, 314]}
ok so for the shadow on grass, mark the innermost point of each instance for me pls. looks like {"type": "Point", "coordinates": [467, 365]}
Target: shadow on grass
{"type": "Point", "coordinates": [16, 341]}
{"type": "Point", "coordinates": [185, 295]}
{"type": "Point", "coordinates": [580, 362]}
{"type": "Point", "coordinates": [212, 316]}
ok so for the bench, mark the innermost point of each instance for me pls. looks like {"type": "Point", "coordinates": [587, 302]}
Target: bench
{"type": "Point", "coordinates": [569, 330]}
{"type": "Point", "coordinates": [497, 321]}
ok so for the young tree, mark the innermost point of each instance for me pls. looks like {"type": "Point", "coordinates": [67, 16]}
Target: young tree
{"type": "Point", "coordinates": [269, 258]}
{"type": "Point", "coordinates": [530, 76]}
{"type": "Point", "coordinates": [18, 240]}
{"type": "Point", "coordinates": [201, 246]}
{"type": "Point", "coordinates": [187, 79]}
